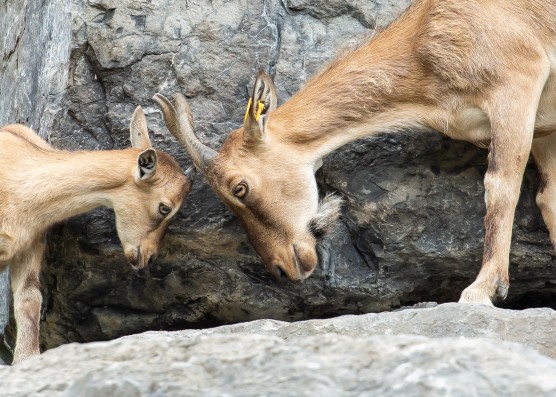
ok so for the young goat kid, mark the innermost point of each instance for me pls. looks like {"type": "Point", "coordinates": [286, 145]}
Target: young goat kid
{"type": "Point", "coordinates": [40, 185]}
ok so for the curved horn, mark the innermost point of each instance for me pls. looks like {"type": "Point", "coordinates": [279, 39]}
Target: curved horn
{"type": "Point", "coordinates": [179, 122]}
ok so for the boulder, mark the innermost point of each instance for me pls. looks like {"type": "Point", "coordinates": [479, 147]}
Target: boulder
{"type": "Point", "coordinates": [412, 226]}
{"type": "Point", "coordinates": [345, 356]}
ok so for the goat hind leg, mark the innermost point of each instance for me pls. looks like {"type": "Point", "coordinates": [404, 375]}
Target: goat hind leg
{"type": "Point", "coordinates": [27, 302]}
{"type": "Point", "coordinates": [544, 153]}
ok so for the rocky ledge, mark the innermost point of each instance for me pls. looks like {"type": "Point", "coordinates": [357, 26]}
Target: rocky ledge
{"type": "Point", "coordinates": [450, 349]}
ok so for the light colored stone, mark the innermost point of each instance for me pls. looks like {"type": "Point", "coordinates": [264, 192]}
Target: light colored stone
{"type": "Point", "coordinates": [535, 328]}
{"type": "Point", "coordinates": [345, 356]}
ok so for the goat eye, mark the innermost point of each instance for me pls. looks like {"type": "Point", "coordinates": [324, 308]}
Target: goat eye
{"type": "Point", "coordinates": [240, 190]}
{"type": "Point", "coordinates": [164, 209]}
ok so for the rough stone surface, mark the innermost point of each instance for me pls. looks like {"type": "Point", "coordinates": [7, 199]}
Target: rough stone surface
{"type": "Point", "coordinates": [532, 327]}
{"type": "Point", "coordinates": [345, 356]}
{"type": "Point", "coordinates": [412, 227]}
{"type": "Point", "coordinates": [35, 51]}
{"type": "Point", "coordinates": [34, 65]}
{"type": "Point", "coordinates": [5, 298]}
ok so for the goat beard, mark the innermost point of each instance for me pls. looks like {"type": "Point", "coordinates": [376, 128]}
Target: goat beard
{"type": "Point", "coordinates": [324, 222]}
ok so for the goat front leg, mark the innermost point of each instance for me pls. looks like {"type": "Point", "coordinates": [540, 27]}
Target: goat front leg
{"type": "Point", "coordinates": [25, 272]}
{"type": "Point", "coordinates": [512, 123]}
{"type": "Point", "coordinates": [501, 194]}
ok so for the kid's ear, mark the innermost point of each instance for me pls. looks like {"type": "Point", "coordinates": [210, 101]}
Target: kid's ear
{"type": "Point", "coordinates": [138, 131]}
{"type": "Point", "coordinates": [146, 164]}
{"type": "Point", "coordinates": [262, 102]}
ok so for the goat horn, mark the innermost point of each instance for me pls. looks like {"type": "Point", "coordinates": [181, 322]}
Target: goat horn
{"type": "Point", "coordinates": [179, 122]}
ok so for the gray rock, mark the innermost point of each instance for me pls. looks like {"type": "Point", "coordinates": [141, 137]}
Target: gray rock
{"type": "Point", "coordinates": [5, 300]}
{"type": "Point", "coordinates": [5, 295]}
{"type": "Point", "coordinates": [531, 327]}
{"type": "Point", "coordinates": [412, 228]}
{"type": "Point", "coordinates": [339, 357]}
{"type": "Point", "coordinates": [35, 50]}
{"type": "Point", "coordinates": [35, 59]}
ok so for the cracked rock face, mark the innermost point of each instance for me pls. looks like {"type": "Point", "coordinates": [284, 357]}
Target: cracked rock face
{"type": "Point", "coordinates": [412, 226]}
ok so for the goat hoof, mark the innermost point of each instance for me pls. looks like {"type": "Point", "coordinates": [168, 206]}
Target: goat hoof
{"type": "Point", "coordinates": [475, 294]}
{"type": "Point", "coordinates": [502, 291]}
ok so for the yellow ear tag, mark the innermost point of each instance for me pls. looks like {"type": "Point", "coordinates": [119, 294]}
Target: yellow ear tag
{"type": "Point", "coordinates": [259, 110]}
{"type": "Point", "coordinates": [247, 110]}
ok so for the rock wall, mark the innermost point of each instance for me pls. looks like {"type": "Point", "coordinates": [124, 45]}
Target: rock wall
{"type": "Point", "coordinates": [412, 225]}
{"type": "Point", "coordinates": [5, 295]}
{"type": "Point", "coordinates": [34, 64]}
{"type": "Point", "coordinates": [35, 49]}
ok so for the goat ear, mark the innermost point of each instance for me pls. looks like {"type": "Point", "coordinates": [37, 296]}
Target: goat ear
{"type": "Point", "coordinates": [262, 102]}
{"type": "Point", "coordinates": [139, 133]}
{"type": "Point", "coordinates": [146, 164]}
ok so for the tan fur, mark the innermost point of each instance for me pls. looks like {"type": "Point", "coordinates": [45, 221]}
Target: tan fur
{"type": "Point", "coordinates": [40, 186]}
{"type": "Point", "coordinates": [477, 70]}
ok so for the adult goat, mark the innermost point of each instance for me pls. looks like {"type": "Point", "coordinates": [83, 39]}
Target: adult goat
{"type": "Point", "coordinates": [477, 70]}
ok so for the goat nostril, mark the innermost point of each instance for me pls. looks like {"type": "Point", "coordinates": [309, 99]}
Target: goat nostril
{"type": "Point", "coordinates": [279, 273]}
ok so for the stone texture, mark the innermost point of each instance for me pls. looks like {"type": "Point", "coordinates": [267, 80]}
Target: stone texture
{"type": "Point", "coordinates": [5, 295]}
{"type": "Point", "coordinates": [34, 65]}
{"type": "Point", "coordinates": [5, 299]}
{"type": "Point", "coordinates": [338, 357]}
{"type": "Point", "coordinates": [35, 50]}
{"type": "Point", "coordinates": [532, 327]}
{"type": "Point", "coordinates": [412, 226]}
